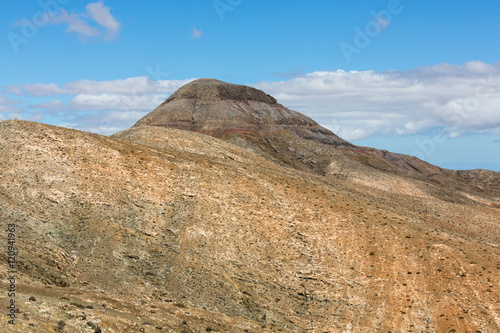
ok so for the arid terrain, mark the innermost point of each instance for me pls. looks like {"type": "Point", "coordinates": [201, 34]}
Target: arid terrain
{"type": "Point", "coordinates": [224, 211]}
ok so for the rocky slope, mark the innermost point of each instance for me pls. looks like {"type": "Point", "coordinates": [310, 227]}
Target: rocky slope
{"type": "Point", "coordinates": [162, 229]}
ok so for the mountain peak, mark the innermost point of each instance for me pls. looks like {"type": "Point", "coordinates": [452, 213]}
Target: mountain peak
{"type": "Point", "coordinates": [214, 90]}
{"type": "Point", "coordinates": [243, 115]}
{"type": "Point", "coordinates": [226, 110]}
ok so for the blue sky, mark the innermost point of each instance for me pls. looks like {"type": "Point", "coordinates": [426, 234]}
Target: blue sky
{"type": "Point", "coordinates": [417, 77]}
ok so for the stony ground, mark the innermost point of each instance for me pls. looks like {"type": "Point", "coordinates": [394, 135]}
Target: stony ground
{"type": "Point", "coordinates": [167, 230]}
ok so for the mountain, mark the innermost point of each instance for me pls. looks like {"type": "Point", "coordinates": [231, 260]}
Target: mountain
{"type": "Point", "coordinates": [226, 110]}
{"type": "Point", "coordinates": [252, 119]}
{"type": "Point", "coordinates": [241, 115]}
{"type": "Point", "coordinates": [273, 225]}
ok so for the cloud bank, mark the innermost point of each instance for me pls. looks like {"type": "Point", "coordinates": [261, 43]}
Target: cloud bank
{"type": "Point", "coordinates": [103, 107]}
{"type": "Point", "coordinates": [449, 99]}
{"type": "Point", "coordinates": [357, 105]}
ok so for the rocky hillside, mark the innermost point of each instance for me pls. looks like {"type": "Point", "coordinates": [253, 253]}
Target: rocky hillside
{"type": "Point", "coordinates": [162, 229]}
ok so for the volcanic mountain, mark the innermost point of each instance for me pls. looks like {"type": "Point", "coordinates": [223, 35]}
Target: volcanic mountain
{"type": "Point", "coordinates": [226, 110]}
{"type": "Point", "coordinates": [270, 223]}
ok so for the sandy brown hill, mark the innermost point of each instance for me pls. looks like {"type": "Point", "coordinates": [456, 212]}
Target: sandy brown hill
{"type": "Point", "coordinates": [254, 120]}
{"type": "Point", "coordinates": [182, 232]}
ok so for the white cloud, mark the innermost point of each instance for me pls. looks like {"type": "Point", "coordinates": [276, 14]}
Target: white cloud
{"type": "Point", "coordinates": [101, 14]}
{"type": "Point", "coordinates": [38, 89]}
{"type": "Point", "coordinates": [116, 102]}
{"type": "Point", "coordinates": [105, 123]}
{"type": "Point", "coordinates": [103, 107]}
{"type": "Point", "coordinates": [131, 86]}
{"type": "Point", "coordinates": [7, 101]}
{"type": "Point", "coordinates": [97, 21]}
{"type": "Point", "coordinates": [76, 23]}
{"type": "Point", "coordinates": [196, 33]}
{"type": "Point", "coordinates": [358, 105]}
{"type": "Point", "coordinates": [9, 109]}
{"type": "Point", "coordinates": [53, 105]}
{"type": "Point", "coordinates": [8, 105]}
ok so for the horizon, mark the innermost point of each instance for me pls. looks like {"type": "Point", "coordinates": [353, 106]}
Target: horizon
{"type": "Point", "coordinates": [410, 77]}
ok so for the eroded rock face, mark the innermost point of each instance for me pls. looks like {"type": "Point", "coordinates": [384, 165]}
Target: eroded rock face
{"type": "Point", "coordinates": [211, 90]}
{"type": "Point", "coordinates": [227, 110]}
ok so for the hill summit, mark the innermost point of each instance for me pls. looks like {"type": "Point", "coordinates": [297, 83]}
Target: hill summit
{"type": "Point", "coordinates": [213, 90]}
{"type": "Point", "coordinates": [226, 110]}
